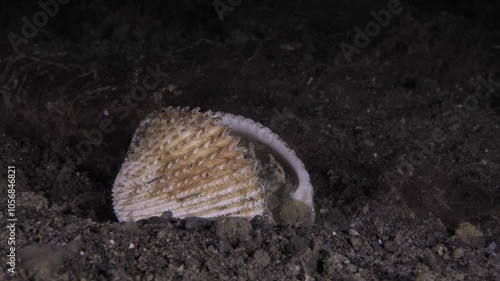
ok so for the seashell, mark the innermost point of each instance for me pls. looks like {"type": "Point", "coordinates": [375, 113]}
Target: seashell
{"type": "Point", "coordinates": [209, 165]}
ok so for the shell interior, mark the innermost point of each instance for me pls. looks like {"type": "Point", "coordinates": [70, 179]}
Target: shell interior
{"type": "Point", "coordinates": [279, 181]}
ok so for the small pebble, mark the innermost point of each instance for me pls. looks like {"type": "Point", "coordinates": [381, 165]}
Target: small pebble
{"type": "Point", "coordinates": [440, 249]}
{"type": "Point", "coordinates": [131, 246]}
{"type": "Point", "coordinates": [167, 215]}
{"type": "Point", "coordinates": [334, 263]}
{"type": "Point", "coordinates": [492, 246]}
{"type": "Point", "coordinates": [458, 253]}
{"type": "Point", "coordinates": [356, 242]}
{"type": "Point", "coordinates": [353, 232]}
{"type": "Point", "coordinates": [212, 250]}
{"type": "Point", "coordinates": [262, 257]}
{"type": "Point", "coordinates": [161, 234]}
{"type": "Point", "coordinates": [468, 230]}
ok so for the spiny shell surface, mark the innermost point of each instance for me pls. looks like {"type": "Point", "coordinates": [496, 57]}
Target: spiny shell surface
{"type": "Point", "coordinates": [194, 165]}
{"type": "Point", "coordinates": [186, 162]}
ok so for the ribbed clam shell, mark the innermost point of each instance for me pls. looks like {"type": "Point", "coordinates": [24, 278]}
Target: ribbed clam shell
{"type": "Point", "coordinates": [186, 162]}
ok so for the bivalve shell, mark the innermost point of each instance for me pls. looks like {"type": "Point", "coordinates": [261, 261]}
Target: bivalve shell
{"type": "Point", "coordinates": [209, 165]}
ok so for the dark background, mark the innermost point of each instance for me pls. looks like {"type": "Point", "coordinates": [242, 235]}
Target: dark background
{"type": "Point", "coordinates": [280, 64]}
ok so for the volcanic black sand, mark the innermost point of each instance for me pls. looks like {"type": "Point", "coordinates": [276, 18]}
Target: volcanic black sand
{"type": "Point", "coordinates": [401, 136]}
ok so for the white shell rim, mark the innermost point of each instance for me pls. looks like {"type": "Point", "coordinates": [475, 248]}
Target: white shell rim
{"type": "Point", "coordinates": [246, 126]}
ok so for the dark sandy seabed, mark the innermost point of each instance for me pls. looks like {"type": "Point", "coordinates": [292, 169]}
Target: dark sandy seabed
{"type": "Point", "coordinates": [352, 124]}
